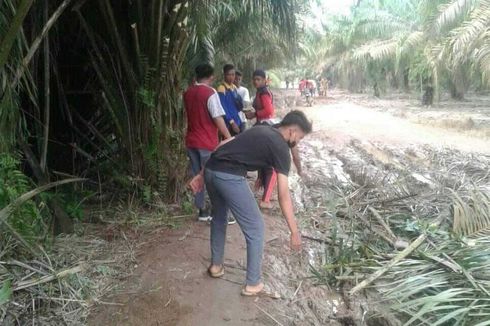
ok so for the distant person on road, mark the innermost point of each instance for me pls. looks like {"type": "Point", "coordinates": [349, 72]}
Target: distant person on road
{"type": "Point", "coordinates": [310, 85]}
{"type": "Point", "coordinates": [302, 85]}
{"type": "Point", "coordinates": [225, 178]}
{"type": "Point", "coordinates": [324, 87]}
{"type": "Point", "coordinates": [204, 120]}
{"type": "Point", "coordinates": [287, 83]}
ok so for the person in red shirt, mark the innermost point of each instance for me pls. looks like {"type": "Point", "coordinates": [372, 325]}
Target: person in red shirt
{"type": "Point", "coordinates": [265, 114]}
{"type": "Point", "coordinates": [263, 102]}
{"type": "Point", "coordinates": [204, 120]}
{"type": "Point", "coordinates": [302, 85]}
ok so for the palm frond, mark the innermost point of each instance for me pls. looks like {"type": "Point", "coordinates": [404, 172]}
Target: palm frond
{"type": "Point", "coordinates": [453, 289]}
{"type": "Point", "coordinates": [376, 50]}
{"type": "Point", "coordinates": [464, 39]}
{"type": "Point", "coordinates": [377, 24]}
{"type": "Point", "coordinates": [471, 215]}
{"type": "Point", "coordinates": [412, 41]}
{"type": "Point", "coordinates": [483, 57]}
{"type": "Point", "coordinates": [452, 13]}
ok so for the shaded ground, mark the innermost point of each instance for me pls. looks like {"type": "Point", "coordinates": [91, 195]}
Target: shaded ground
{"type": "Point", "coordinates": [169, 285]}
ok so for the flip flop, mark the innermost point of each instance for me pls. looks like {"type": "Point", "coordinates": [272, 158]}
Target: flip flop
{"type": "Point", "coordinates": [218, 274]}
{"type": "Point", "coordinates": [264, 293]}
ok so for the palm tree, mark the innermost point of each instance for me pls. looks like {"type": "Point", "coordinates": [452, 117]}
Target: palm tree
{"type": "Point", "coordinates": [138, 56]}
{"type": "Point", "coordinates": [430, 43]}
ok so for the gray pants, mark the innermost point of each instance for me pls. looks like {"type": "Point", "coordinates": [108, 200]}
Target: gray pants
{"type": "Point", "coordinates": [198, 158]}
{"type": "Point", "coordinates": [228, 191]}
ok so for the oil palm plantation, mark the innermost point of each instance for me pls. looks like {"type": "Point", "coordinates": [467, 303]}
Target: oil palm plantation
{"type": "Point", "coordinates": [422, 44]}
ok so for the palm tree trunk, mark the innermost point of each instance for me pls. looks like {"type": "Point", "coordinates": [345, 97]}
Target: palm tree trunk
{"type": "Point", "coordinates": [15, 27]}
{"type": "Point", "coordinates": [44, 151]}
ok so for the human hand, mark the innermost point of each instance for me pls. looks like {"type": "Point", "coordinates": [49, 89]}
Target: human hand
{"type": "Point", "coordinates": [250, 114]}
{"type": "Point", "coordinates": [295, 242]}
{"type": "Point", "coordinates": [235, 128]}
{"type": "Point", "coordinates": [197, 183]}
{"type": "Point", "coordinates": [301, 174]}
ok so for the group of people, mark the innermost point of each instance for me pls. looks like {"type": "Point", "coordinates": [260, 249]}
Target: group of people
{"type": "Point", "coordinates": [222, 151]}
{"type": "Point", "coordinates": [313, 87]}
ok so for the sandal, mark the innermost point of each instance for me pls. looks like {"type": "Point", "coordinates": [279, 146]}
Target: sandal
{"type": "Point", "coordinates": [217, 274]}
{"type": "Point", "coordinates": [265, 293]}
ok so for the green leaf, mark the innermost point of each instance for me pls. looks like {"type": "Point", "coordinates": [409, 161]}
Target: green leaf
{"type": "Point", "coordinates": [5, 293]}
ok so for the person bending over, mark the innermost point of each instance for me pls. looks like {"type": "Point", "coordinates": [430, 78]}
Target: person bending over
{"type": "Point", "coordinates": [225, 179]}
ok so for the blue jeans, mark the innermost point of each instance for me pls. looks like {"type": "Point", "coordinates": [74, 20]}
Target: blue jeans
{"type": "Point", "coordinates": [198, 158]}
{"type": "Point", "coordinates": [228, 191]}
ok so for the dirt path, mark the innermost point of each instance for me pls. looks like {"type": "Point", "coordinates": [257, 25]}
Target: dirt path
{"type": "Point", "coordinates": [343, 120]}
{"type": "Point", "coordinates": [170, 286]}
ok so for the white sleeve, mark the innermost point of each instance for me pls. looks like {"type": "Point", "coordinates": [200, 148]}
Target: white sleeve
{"type": "Point", "coordinates": [214, 106]}
{"type": "Point", "coordinates": [246, 96]}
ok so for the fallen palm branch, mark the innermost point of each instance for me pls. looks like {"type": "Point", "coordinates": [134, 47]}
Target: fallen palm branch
{"type": "Point", "coordinates": [45, 283]}
{"type": "Point", "coordinates": [48, 278]}
{"type": "Point", "coordinates": [441, 277]}
{"type": "Point", "coordinates": [407, 251]}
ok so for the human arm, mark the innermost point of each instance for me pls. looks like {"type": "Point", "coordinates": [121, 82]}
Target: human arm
{"type": "Point", "coordinates": [217, 113]}
{"type": "Point", "coordinates": [228, 115]}
{"type": "Point", "coordinates": [287, 210]}
{"type": "Point", "coordinates": [297, 160]}
{"type": "Point", "coordinates": [246, 98]}
{"type": "Point", "coordinates": [219, 122]}
{"type": "Point", "coordinates": [234, 126]}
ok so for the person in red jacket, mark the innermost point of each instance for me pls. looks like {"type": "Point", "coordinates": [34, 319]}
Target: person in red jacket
{"type": "Point", "coordinates": [204, 120]}
{"type": "Point", "coordinates": [263, 102]}
{"type": "Point", "coordinates": [264, 114]}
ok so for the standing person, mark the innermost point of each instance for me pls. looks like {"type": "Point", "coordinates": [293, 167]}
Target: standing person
{"type": "Point", "coordinates": [263, 102]}
{"type": "Point", "coordinates": [204, 120]}
{"type": "Point", "coordinates": [302, 85]}
{"type": "Point", "coordinates": [231, 102]}
{"type": "Point", "coordinates": [287, 82]}
{"type": "Point", "coordinates": [324, 87]}
{"type": "Point", "coordinates": [244, 96]}
{"type": "Point", "coordinates": [265, 114]}
{"type": "Point", "coordinates": [261, 146]}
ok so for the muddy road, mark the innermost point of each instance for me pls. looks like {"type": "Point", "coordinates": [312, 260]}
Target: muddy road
{"type": "Point", "coordinates": [350, 144]}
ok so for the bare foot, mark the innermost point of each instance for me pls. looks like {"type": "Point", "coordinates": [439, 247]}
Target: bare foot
{"type": "Point", "coordinates": [216, 271]}
{"type": "Point", "coordinates": [254, 288]}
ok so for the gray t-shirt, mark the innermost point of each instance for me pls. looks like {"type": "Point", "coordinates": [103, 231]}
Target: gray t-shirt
{"type": "Point", "coordinates": [257, 148]}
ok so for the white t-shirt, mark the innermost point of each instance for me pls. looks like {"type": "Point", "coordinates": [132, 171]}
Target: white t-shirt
{"type": "Point", "coordinates": [214, 104]}
{"type": "Point", "coordinates": [245, 95]}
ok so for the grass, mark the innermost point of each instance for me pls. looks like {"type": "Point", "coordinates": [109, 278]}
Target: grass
{"type": "Point", "coordinates": [75, 272]}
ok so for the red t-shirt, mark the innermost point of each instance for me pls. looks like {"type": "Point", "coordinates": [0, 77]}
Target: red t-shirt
{"type": "Point", "coordinates": [264, 109]}
{"type": "Point", "coordinates": [202, 133]}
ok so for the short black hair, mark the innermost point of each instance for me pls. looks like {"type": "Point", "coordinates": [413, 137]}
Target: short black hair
{"type": "Point", "coordinates": [297, 118]}
{"type": "Point", "coordinates": [227, 67]}
{"type": "Point", "coordinates": [238, 73]}
{"type": "Point", "coordinates": [259, 73]}
{"type": "Point", "coordinates": [204, 70]}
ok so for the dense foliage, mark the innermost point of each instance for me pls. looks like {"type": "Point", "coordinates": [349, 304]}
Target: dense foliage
{"type": "Point", "coordinates": [428, 46]}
